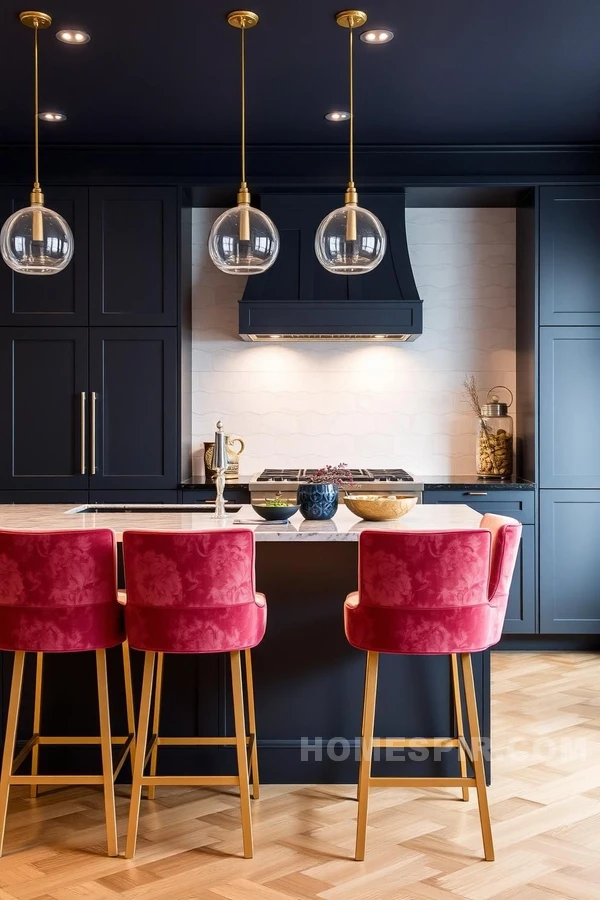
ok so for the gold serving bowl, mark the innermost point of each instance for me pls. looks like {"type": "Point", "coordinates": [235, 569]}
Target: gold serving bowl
{"type": "Point", "coordinates": [379, 508]}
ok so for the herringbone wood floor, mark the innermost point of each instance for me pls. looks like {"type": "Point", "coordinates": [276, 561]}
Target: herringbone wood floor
{"type": "Point", "coordinates": [545, 809]}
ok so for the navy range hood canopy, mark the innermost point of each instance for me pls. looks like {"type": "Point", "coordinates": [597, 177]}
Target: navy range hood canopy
{"type": "Point", "coordinates": [298, 300]}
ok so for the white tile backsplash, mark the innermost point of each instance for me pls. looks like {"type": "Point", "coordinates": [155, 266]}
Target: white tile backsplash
{"type": "Point", "coordinates": [378, 405]}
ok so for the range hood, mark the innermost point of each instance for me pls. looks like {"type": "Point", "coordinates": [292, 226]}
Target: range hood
{"type": "Point", "coordinates": [298, 300]}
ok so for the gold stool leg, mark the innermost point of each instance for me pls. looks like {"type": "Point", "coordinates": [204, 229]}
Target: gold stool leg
{"type": "Point", "coordinates": [156, 721]}
{"type": "Point", "coordinates": [241, 747]}
{"type": "Point", "coordinates": [37, 719]}
{"type": "Point", "coordinates": [473, 720]}
{"type": "Point", "coordinates": [362, 723]}
{"type": "Point", "coordinates": [460, 728]}
{"type": "Point", "coordinates": [140, 754]}
{"type": "Point", "coordinates": [252, 724]}
{"type": "Point", "coordinates": [107, 761]}
{"type": "Point", "coordinates": [10, 738]}
{"type": "Point", "coordinates": [366, 750]}
{"type": "Point", "coordinates": [129, 706]}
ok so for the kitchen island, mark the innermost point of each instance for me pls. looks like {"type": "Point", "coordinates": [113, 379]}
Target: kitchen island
{"type": "Point", "coordinates": [308, 679]}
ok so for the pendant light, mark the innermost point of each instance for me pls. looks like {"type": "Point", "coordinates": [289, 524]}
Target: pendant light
{"type": "Point", "coordinates": [36, 240]}
{"type": "Point", "coordinates": [350, 240]}
{"type": "Point", "coordinates": [243, 240]}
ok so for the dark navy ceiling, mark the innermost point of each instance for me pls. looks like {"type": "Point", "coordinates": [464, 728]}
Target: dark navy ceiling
{"type": "Point", "coordinates": [458, 71]}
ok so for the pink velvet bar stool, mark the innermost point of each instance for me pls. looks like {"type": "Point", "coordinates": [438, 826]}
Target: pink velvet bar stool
{"type": "Point", "coordinates": [58, 594]}
{"type": "Point", "coordinates": [193, 592]}
{"type": "Point", "coordinates": [435, 593]}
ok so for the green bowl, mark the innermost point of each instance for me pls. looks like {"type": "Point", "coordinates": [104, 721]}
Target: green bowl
{"type": "Point", "coordinates": [275, 513]}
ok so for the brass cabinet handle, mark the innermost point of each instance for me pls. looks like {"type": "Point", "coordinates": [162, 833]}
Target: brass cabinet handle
{"type": "Point", "coordinates": [82, 398]}
{"type": "Point", "coordinates": [93, 434]}
{"type": "Point", "coordinates": [477, 493]}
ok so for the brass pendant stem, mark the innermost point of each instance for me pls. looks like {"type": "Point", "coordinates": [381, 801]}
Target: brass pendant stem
{"type": "Point", "coordinates": [36, 20]}
{"type": "Point", "coordinates": [243, 61]}
{"type": "Point", "coordinates": [36, 121]}
{"type": "Point", "coordinates": [351, 169]}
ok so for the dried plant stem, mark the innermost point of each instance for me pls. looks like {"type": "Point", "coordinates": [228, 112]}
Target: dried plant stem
{"type": "Point", "coordinates": [472, 396]}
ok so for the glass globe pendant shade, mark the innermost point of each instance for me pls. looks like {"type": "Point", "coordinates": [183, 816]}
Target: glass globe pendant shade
{"type": "Point", "coordinates": [36, 241]}
{"type": "Point", "coordinates": [243, 241]}
{"type": "Point", "coordinates": [350, 241]}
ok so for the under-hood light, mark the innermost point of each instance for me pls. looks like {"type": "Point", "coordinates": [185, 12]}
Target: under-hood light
{"type": "Point", "coordinates": [330, 337]}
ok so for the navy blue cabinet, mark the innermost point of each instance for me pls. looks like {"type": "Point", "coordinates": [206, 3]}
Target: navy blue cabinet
{"type": "Point", "coordinates": [93, 408]}
{"type": "Point", "coordinates": [61, 300]}
{"type": "Point", "coordinates": [569, 427]}
{"type": "Point", "coordinates": [133, 408]}
{"type": "Point", "coordinates": [521, 613]}
{"type": "Point", "coordinates": [134, 256]}
{"type": "Point", "coordinates": [569, 562]}
{"type": "Point", "coordinates": [569, 259]}
{"type": "Point", "coordinates": [43, 383]}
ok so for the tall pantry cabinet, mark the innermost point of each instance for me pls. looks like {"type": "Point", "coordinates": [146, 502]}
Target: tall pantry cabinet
{"type": "Point", "coordinates": [89, 358]}
{"type": "Point", "coordinates": [569, 410]}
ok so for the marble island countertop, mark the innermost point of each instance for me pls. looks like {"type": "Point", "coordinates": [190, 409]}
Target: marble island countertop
{"type": "Point", "coordinates": [345, 526]}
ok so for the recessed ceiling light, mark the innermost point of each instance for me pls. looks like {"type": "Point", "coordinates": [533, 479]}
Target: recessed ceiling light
{"type": "Point", "coordinates": [72, 36]}
{"type": "Point", "coordinates": [377, 36]}
{"type": "Point", "coordinates": [337, 115]}
{"type": "Point", "coordinates": [52, 117]}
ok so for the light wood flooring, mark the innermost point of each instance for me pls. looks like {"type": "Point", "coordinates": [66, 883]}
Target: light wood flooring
{"type": "Point", "coordinates": [545, 804]}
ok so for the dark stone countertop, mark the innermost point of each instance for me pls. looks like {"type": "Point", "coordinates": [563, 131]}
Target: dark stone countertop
{"type": "Point", "coordinates": [430, 482]}
{"type": "Point", "coordinates": [200, 481]}
{"type": "Point", "coordinates": [472, 482]}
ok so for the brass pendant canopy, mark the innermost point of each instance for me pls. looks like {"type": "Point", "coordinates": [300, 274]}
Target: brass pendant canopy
{"type": "Point", "coordinates": [351, 18]}
{"type": "Point", "coordinates": [242, 18]}
{"type": "Point", "coordinates": [33, 19]}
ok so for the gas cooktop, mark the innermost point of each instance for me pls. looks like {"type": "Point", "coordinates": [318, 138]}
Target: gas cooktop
{"type": "Point", "coordinates": [371, 476]}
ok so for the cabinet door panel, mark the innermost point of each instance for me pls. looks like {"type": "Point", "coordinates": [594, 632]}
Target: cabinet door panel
{"type": "Point", "coordinates": [60, 299]}
{"type": "Point", "coordinates": [43, 372]}
{"type": "Point", "coordinates": [569, 424]}
{"type": "Point", "coordinates": [133, 256]}
{"type": "Point", "coordinates": [569, 259]}
{"type": "Point", "coordinates": [134, 374]}
{"type": "Point", "coordinates": [569, 562]}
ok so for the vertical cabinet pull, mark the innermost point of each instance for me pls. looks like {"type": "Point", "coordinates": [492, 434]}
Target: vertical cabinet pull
{"type": "Point", "coordinates": [93, 434]}
{"type": "Point", "coordinates": [82, 398]}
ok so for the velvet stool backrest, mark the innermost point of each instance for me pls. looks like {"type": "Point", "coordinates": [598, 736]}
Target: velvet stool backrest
{"type": "Point", "coordinates": [433, 592]}
{"type": "Point", "coordinates": [58, 591]}
{"type": "Point", "coordinates": [191, 592]}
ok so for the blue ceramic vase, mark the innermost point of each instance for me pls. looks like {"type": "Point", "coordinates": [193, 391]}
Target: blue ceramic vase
{"type": "Point", "coordinates": [318, 501]}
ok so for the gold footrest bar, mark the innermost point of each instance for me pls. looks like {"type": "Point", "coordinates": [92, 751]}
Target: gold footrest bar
{"type": "Point", "coordinates": [197, 741]}
{"type": "Point", "coordinates": [189, 780]}
{"type": "Point", "coordinates": [38, 740]}
{"type": "Point", "coordinates": [415, 742]}
{"type": "Point", "coordinates": [56, 779]}
{"type": "Point", "coordinates": [86, 739]}
{"type": "Point", "coordinates": [421, 782]}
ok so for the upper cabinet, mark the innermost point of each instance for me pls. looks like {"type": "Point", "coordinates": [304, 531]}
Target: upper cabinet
{"type": "Point", "coordinates": [133, 256]}
{"type": "Point", "coordinates": [569, 257]}
{"type": "Point", "coordinates": [57, 299]}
